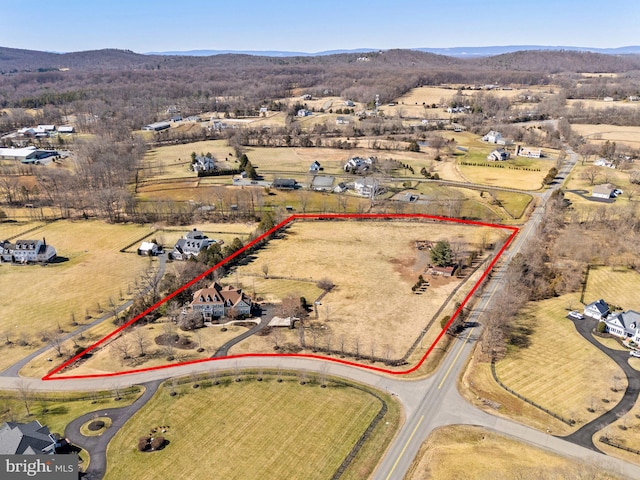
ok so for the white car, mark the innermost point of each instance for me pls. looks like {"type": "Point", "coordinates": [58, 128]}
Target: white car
{"type": "Point", "coordinates": [634, 353]}
{"type": "Point", "coordinates": [575, 315]}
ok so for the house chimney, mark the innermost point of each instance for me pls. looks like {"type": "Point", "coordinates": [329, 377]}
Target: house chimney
{"type": "Point", "coordinates": [44, 240]}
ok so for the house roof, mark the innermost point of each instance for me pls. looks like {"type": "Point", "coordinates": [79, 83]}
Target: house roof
{"type": "Point", "coordinates": [599, 305]}
{"type": "Point", "coordinates": [629, 321]}
{"type": "Point", "coordinates": [21, 438]}
{"type": "Point", "coordinates": [284, 183]}
{"type": "Point", "coordinates": [219, 294]}
{"type": "Point", "coordinates": [322, 181]}
{"type": "Point", "coordinates": [605, 189]}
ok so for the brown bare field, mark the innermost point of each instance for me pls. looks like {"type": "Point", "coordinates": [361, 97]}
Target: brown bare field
{"type": "Point", "coordinates": [94, 271]}
{"type": "Point", "coordinates": [372, 306]}
{"type": "Point", "coordinates": [600, 104]}
{"type": "Point", "coordinates": [614, 133]}
{"type": "Point", "coordinates": [554, 371]}
{"type": "Point", "coordinates": [461, 451]}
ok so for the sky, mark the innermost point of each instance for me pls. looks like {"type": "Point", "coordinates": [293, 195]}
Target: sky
{"type": "Point", "coordinates": [314, 25]}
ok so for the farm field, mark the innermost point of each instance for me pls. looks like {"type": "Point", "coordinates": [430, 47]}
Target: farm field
{"type": "Point", "coordinates": [617, 286]}
{"type": "Point", "coordinates": [554, 371]}
{"type": "Point", "coordinates": [614, 133]}
{"type": "Point", "coordinates": [461, 451]}
{"type": "Point", "coordinates": [372, 306]}
{"type": "Point", "coordinates": [520, 173]}
{"type": "Point", "coordinates": [90, 271]}
{"type": "Point", "coordinates": [271, 430]}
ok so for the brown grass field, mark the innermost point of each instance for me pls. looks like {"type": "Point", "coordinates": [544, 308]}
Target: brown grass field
{"type": "Point", "coordinates": [354, 316]}
{"type": "Point", "coordinates": [264, 430]}
{"type": "Point", "coordinates": [617, 286]}
{"type": "Point", "coordinates": [94, 271]}
{"type": "Point", "coordinates": [554, 371]}
{"type": "Point", "coordinates": [372, 306]}
{"type": "Point", "coordinates": [615, 133]}
{"type": "Point", "coordinates": [460, 451]}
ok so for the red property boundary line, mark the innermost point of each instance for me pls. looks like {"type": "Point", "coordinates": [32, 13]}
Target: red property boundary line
{"type": "Point", "coordinates": [328, 216]}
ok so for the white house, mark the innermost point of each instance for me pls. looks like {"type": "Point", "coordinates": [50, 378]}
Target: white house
{"type": "Point", "coordinates": [303, 112]}
{"type": "Point", "coordinates": [624, 325]}
{"type": "Point", "coordinates": [492, 137]}
{"type": "Point", "coordinates": [314, 167]}
{"type": "Point", "coordinates": [190, 245]}
{"type": "Point", "coordinates": [349, 103]}
{"type": "Point", "coordinates": [366, 186]}
{"type": "Point", "coordinates": [603, 162]}
{"type": "Point", "coordinates": [27, 251]}
{"type": "Point", "coordinates": [603, 191]}
{"type": "Point", "coordinates": [203, 164]}
{"type": "Point", "coordinates": [342, 121]}
{"type": "Point", "coordinates": [148, 248]}
{"type": "Point", "coordinates": [498, 155]}
{"type": "Point", "coordinates": [66, 129]}
{"type": "Point", "coordinates": [528, 152]}
{"type": "Point", "coordinates": [598, 310]}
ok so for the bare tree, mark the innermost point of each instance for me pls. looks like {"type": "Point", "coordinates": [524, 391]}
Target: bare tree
{"type": "Point", "coordinates": [56, 342]}
{"type": "Point", "coordinates": [141, 340]}
{"type": "Point", "coordinates": [123, 346]}
{"type": "Point", "coordinates": [265, 270]}
{"type": "Point", "coordinates": [591, 174]}
{"type": "Point", "coordinates": [26, 395]}
{"type": "Point", "coordinates": [277, 337]}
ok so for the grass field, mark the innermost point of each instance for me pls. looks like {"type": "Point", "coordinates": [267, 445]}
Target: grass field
{"type": "Point", "coordinates": [94, 271]}
{"type": "Point", "coordinates": [614, 133]}
{"type": "Point", "coordinates": [372, 306]}
{"type": "Point", "coordinates": [617, 286]}
{"type": "Point", "coordinates": [455, 452]}
{"type": "Point", "coordinates": [258, 430]}
{"type": "Point", "coordinates": [555, 371]}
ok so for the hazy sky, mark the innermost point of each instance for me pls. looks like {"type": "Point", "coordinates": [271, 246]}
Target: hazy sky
{"type": "Point", "coordinates": [314, 25]}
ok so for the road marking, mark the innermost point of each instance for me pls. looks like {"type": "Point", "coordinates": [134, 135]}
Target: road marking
{"type": "Point", "coordinates": [455, 359]}
{"type": "Point", "coordinates": [405, 447]}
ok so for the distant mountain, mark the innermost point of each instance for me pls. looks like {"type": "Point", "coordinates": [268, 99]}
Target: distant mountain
{"type": "Point", "coordinates": [451, 52]}
{"type": "Point", "coordinates": [499, 50]}
{"type": "Point", "coordinates": [260, 53]}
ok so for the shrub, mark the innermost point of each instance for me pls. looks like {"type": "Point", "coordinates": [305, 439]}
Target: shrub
{"type": "Point", "coordinates": [95, 425]}
{"type": "Point", "coordinates": [143, 444]}
{"type": "Point", "coordinates": [602, 327]}
{"type": "Point", "coordinates": [157, 443]}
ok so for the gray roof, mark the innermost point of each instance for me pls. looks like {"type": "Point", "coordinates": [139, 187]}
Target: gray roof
{"type": "Point", "coordinates": [25, 438]}
{"type": "Point", "coordinates": [599, 305]}
{"type": "Point", "coordinates": [630, 320]}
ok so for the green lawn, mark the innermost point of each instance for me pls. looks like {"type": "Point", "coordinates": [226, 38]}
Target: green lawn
{"type": "Point", "coordinates": [247, 430]}
{"type": "Point", "coordinates": [56, 410]}
{"type": "Point", "coordinates": [514, 203]}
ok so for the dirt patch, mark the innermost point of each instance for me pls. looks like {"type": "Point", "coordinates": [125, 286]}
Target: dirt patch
{"type": "Point", "coordinates": [176, 341]}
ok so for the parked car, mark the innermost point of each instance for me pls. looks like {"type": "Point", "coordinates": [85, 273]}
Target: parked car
{"type": "Point", "coordinates": [634, 353]}
{"type": "Point", "coordinates": [575, 315]}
